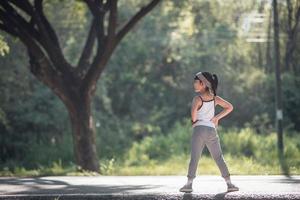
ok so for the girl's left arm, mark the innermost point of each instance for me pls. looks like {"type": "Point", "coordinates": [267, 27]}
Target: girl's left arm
{"type": "Point", "coordinates": [225, 104]}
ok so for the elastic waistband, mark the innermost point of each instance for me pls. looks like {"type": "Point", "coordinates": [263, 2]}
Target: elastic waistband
{"type": "Point", "coordinates": [205, 126]}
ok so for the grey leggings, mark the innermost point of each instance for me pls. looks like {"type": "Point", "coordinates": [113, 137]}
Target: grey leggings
{"type": "Point", "coordinates": [205, 135]}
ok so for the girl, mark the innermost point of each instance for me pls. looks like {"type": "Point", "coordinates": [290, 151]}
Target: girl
{"type": "Point", "coordinates": [204, 123]}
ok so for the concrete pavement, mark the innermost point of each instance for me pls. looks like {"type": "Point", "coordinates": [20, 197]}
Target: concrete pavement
{"type": "Point", "coordinates": [147, 187]}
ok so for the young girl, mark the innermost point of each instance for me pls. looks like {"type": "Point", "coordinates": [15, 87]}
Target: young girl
{"type": "Point", "coordinates": [204, 123]}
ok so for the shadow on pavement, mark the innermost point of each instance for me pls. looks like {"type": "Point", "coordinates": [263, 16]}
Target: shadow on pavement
{"type": "Point", "coordinates": [220, 195]}
{"type": "Point", "coordinates": [191, 196]}
{"type": "Point", "coordinates": [288, 179]}
{"type": "Point", "coordinates": [35, 185]}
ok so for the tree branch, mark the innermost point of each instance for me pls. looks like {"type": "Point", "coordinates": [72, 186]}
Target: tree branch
{"type": "Point", "coordinates": [106, 43]}
{"type": "Point", "coordinates": [98, 10]}
{"type": "Point", "coordinates": [7, 30]}
{"type": "Point", "coordinates": [293, 32]}
{"type": "Point", "coordinates": [24, 5]}
{"type": "Point", "coordinates": [297, 19]}
{"type": "Point", "coordinates": [41, 68]}
{"type": "Point", "coordinates": [45, 23]}
{"type": "Point", "coordinates": [100, 60]}
{"type": "Point", "coordinates": [88, 48]}
{"type": "Point", "coordinates": [95, 6]}
{"type": "Point", "coordinates": [23, 35]}
{"type": "Point", "coordinates": [44, 33]}
{"type": "Point", "coordinates": [9, 12]}
{"type": "Point", "coordinates": [112, 24]}
{"type": "Point", "coordinates": [13, 23]}
{"type": "Point", "coordinates": [51, 44]}
{"type": "Point", "coordinates": [130, 24]}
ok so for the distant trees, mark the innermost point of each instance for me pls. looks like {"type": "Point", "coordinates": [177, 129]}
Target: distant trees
{"type": "Point", "coordinates": [74, 85]}
{"type": "Point", "coordinates": [145, 87]}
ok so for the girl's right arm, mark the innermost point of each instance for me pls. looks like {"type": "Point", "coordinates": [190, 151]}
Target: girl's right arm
{"type": "Point", "coordinates": [225, 104]}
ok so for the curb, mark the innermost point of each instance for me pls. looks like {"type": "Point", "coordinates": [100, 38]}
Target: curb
{"type": "Point", "coordinates": [183, 196]}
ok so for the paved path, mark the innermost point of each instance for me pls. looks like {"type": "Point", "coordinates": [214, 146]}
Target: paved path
{"type": "Point", "coordinates": [147, 187]}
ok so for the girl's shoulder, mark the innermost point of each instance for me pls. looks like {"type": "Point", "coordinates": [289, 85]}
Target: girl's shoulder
{"type": "Point", "coordinates": [197, 98]}
{"type": "Point", "coordinates": [218, 99]}
{"type": "Point", "coordinates": [207, 100]}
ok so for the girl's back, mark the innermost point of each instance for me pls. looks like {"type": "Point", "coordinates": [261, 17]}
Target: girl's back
{"type": "Point", "coordinates": [205, 113]}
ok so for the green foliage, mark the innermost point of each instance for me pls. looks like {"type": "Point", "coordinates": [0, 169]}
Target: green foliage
{"type": "Point", "coordinates": [236, 143]}
{"type": "Point", "coordinates": [291, 100]}
{"type": "Point", "coordinates": [144, 95]}
{"type": "Point", "coordinates": [32, 119]}
{"type": "Point", "coordinates": [160, 147]}
{"type": "Point", "coordinates": [245, 152]}
{"type": "Point", "coordinates": [4, 48]}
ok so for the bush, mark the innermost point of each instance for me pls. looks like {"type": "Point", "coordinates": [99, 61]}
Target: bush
{"type": "Point", "coordinates": [161, 147]}
{"type": "Point", "coordinates": [237, 143]}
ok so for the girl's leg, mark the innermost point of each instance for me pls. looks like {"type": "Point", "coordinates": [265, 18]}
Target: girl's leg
{"type": "Point", "coordinates": [197, 145]}
{"type": "Point", "coordinates": [227, 179]}
{"type": "Point", "coordinates": [214, 147]}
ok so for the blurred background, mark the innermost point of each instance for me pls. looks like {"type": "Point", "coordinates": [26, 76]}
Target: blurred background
{"type": "Point", "coordinates": [142, 103]}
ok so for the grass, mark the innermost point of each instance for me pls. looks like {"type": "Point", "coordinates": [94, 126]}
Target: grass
{"type": "Point", "coordinates": [177, 165]}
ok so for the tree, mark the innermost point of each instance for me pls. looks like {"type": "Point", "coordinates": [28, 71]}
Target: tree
{"type": "Point", "coordinates": [292, 31]}
{"type": "Point", "coordinates": [74, 85]}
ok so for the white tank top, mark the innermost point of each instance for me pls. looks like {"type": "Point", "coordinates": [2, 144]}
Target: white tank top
{"type": "Point", "coordinates": [205, 113]}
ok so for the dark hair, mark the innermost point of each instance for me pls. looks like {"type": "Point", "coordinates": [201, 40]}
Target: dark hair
{"type": "Point", "coordinates": [213, 79]}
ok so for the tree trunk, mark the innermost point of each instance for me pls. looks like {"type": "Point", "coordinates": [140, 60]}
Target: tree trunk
{"type": "Point", "coordinates": [269, 63]}
{"type": "Point", "coordinates": [291, 36]}
{"type": "Point", "coordinates": [84, 134]}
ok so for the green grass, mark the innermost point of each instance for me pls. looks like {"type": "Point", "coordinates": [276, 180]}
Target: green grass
{"type": "Point", "coordinates": [177, 165]}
